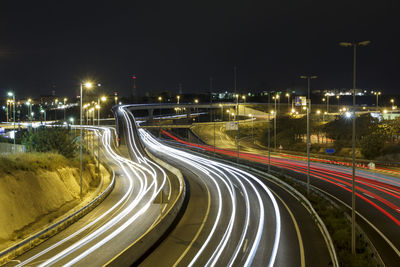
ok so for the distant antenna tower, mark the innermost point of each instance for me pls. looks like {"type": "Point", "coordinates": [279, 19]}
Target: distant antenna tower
{"type": "Point", "coordinates": [134, 86]}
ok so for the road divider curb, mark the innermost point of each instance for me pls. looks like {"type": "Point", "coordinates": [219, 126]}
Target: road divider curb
{"type": "Point", "coordinates": [143, 244]}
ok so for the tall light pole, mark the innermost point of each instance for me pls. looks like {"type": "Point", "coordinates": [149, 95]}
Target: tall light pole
{"type": "Point", "coordinates": [269, 141]}
{"type": "Point", "coordinates": [338, 101]}
{"type": "Point", "coordinates": [309, 78]}
{"type": "Point", "coordinates": [377, 98]}
{"type": "Point", "coordinates": [237, 103]}
{"type": "Point", "coordinates": [44, 114]}
{"type": "Point", "coordinates": [276, 97]}
{"type": "Point", "coordinates": [13, 102]}
{"type": "Point", "coordinates": [65, 107]}
{"type": "Point", "coordinates": [87, 85]}
{"type": "Point", "coordinates": [252, 127]}
{"type": "Point", "coordinates": [353, 196]}
{"type": "Point", "coordinates": [288, 101]}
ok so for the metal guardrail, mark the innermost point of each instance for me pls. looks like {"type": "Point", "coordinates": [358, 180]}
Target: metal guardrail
{"type": "Point", "coordinates": [44, 234]}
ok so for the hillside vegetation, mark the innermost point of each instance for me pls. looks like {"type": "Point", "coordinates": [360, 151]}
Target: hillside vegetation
{"type": "Point", "coordinates": [37, 188]}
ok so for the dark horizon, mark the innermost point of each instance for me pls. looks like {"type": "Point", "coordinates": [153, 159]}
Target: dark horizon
{"type": "Point", "coordinates": [51, 43]}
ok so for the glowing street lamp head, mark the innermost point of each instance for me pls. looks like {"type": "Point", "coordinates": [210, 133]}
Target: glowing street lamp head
{"type": "Point", "coordinates": [88, 85]}
{"type": "Point", "coordinates": [385, 111]}
{"type": "Point", "coordinates": [42, 111]}
{"type": "Point", "coordinates": [103, 98]}
{"type": "Point", "coordinates": [287, 94]}
{"type": "Point", "coordinates": [318, 112]}
{"type": "Point", "coordinates": [97, 106]}
{"type": "Point", "coordinates": [347, 115]}
{"type": "Point", "coordinates": [272, 112]}
{"type": "Point", "coordinates": [10, 94]}
{"type": "Point", "coordinates": [65, 99]}
{"type": "Point", "coordinates": [196, 101]}
{"type": "Point", "coordinates": [159, 98]}
{"type": "Point", "coordinates": [71, 120]}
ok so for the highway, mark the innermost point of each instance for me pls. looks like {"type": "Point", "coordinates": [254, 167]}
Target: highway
{"type": "Point", "coordinates": [118, 222]}
{"type": "Point", "coordinates": [377, 193]}
{"type": "Point", "coordinates": [239, 220]}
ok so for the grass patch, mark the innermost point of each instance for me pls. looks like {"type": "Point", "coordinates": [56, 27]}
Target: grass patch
{"type": "Point", "coordinates": [339, 227]}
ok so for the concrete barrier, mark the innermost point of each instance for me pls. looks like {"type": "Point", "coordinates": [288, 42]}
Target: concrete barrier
{"type": "Point", "coordinates": [137, 249]}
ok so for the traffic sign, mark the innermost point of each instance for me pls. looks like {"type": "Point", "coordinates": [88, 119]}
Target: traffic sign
{"type": "Point", "coordinates": [330, 151]}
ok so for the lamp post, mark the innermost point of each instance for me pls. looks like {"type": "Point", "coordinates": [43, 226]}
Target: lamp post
{"type": "Point", "coordinates": [252, 127]}
{"type": "Point", "coordinates": [338, 101]}
{"type": "Point", "coordinates": [178, 97]}
{"type": "Point", "coordinates": [353, 196]}
{"type": "Point", "coordinates": [65, 107]}
{"type": "Point", "coordinates": [309, 78]}
{"type": "Point", "coordinates": [13, 102]}
{"type": "Point", "coordinates": [327, 102]}
{"type": "Point", "coordinates": [377, 98]}
{"type": "Point", "coordinates": [44, 113]}
{"type": "Point", "coordinates": [87, 85]}
{"type": "Point", "coordinates": [269, 142]}
{"type": "Point", "coordinates": [276, 97]}
{"type": "Point", "coordinates": [288, 101]}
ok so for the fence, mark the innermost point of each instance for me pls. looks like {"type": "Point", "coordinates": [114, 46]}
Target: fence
{"type": "Point", "coordinates": [6, 148]}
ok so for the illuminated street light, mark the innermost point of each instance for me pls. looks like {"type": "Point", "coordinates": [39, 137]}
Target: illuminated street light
{"type": "Point", "coordinates": [353, 186]}
{"type": "Point", "coordinates": [288, 100]}
{"type": "Point", "coordinates": [87, 85]}
{"type": "Point", "coordinates": [178, 97]}
{"type": "Point", "coordinates": [377, 98]}
{"type": "Point", "coordinates": [347, 114]}
{"type": "Point", "coordinates": [11, 94]}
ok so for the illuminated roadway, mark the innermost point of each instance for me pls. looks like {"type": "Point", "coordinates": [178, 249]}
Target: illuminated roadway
{"type": "Point", "coordinates": [240, 221]}
{"type": "Point", "coordinates": [378, 193]}
{"type": "Point", "coordinates": [121, 219]}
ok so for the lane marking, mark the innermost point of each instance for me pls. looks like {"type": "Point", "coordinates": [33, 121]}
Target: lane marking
{"type": "Point", "coordinates": [245, 245]}
{"type": "Point", "coordinates": [296, 226]}
{"type": "Point", "coordinates": [200, 228]}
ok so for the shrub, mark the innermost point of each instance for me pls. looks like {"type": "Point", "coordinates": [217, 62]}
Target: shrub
{"type": "Point", "coordinates": [54, 139]}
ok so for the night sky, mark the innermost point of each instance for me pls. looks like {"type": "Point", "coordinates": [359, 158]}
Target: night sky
{"type": "Point", "coordinates": [165, 43]}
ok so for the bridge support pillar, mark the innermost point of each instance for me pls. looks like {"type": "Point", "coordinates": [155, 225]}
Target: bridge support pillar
{"type": "Point", "coordinates": [151, 111]}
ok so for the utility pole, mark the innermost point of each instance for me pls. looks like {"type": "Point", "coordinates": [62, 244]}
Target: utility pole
{"type": "Point", "coordinates": [353, 196]}
{"type": "Point", "coordinates": [308, 102]}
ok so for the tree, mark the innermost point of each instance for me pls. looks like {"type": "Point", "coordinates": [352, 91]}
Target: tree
{"type": "Point", "coordinates": [47, 139]}
{"type": "Point", "coordinates": [372, 145]}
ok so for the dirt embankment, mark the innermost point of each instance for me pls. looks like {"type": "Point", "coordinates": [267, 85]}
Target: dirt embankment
{"type": "Point", "coordinates": [33, 197]}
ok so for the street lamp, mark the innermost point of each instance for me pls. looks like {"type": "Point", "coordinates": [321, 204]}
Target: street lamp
{"type": "Point", "coordinates": [65, 107]}
{"type": "Point", "coordinates": [44, 113]}
{"type": "Point", "coordinates": [338, 100]}
{"type": "Point", "coordinates": [88, 85]}
{"type": "Point", "coordinates": [252, 127]}
{"type": "Point", "coordinates": [309, 78]}
{"type": "Point", "coordinates": [288, 101]}
{"type": "Point", "coordinates": [178, 97]}
{"type": "Point", "coordinates": [377, 98]}
{"type": "Point", "coordinates": [103, 98]}
{"type": "Point", "coordinates": [13, 96]}
{"type": "Point", "coordinates": [353, 196]}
